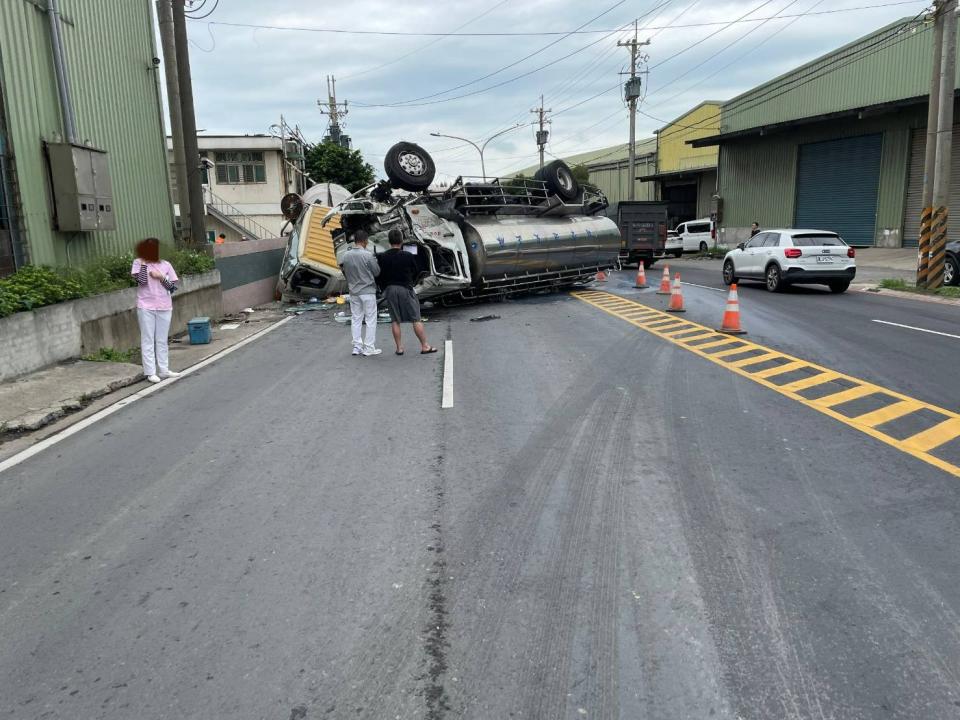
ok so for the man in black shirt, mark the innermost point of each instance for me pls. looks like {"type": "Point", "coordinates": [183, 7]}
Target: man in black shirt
{"type": "Point", "coordinates": [398, 273]}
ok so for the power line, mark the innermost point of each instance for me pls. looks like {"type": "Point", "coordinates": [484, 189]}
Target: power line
{"type": "Point", "coordinates": [415, 102]}
{"type": "Point", "coordinates": [426, 45]}
{"type": "Point", "coordinates": [542, 33]}
{"type": "Point", "coordinates": [208, 14]}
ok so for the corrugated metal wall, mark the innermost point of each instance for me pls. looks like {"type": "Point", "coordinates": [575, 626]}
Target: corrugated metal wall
{"type": "Point", "coordinates": [881, 67]}
{"type": "Point", "coordinates": [110, 47]}
{"type": "Point", "coordinates": [613, 179]}
{"type": "Point", "coordinates": [758, 176]}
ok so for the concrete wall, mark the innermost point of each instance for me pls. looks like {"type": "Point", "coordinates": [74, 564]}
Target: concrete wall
{"type": "Point", "coordinates": [32, 340]}
{"type": "Point", "coordinates": [249, 272]}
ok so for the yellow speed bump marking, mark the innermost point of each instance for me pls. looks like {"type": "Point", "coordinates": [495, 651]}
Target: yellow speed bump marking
{"type": "Point", "coordinates": [920, 445]}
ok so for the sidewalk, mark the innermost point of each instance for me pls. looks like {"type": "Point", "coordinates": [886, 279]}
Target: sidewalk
{"type": "Point", "coordinates": [33, 401]}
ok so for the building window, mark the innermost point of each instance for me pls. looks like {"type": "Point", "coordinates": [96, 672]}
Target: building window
{"type": "Point", "coordinates": [235, 168]}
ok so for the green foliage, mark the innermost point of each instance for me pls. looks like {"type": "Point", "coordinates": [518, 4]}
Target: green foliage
{"type": "Point", "coordinates": [109, 354]}
{"type": "Point", "coordinates": [517, 185]}
{"type": "Point", "coordinates": [895, 284]}
{"type": "Point", "coordinates": [329, 162]}
{"type": "Point", "coordinates": [36, 286]}
{"type": "Point", "coordinates": [581, 173]}
{"type": "Point", "coordinates": [32, 287]}
{"type": "Point", "coordinates": [950, 291]}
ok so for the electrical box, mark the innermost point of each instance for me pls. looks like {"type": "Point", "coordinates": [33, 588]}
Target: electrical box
{"type": "Point", "coordinates": [542, 136]}
{"type": "Point", "coordinates": [82, 191]}
{"type": "Point", "coordinates": [631, 88]}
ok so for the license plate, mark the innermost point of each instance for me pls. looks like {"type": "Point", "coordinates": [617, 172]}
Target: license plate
{"type": "Point", "coordinates": [824, 259]}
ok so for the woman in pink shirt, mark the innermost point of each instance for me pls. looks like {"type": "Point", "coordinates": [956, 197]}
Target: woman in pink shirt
{"type": "Point", "coordinates": [156, 282]}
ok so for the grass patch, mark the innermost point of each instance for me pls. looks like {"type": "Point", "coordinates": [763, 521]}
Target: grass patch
{"type": "Point", "coordinates": [33, 286]}
{"type": "Point", "coordinates": [950, 291]}
{"type": "Point", "coordinates": [716, 253]}
{"type": "Point", "coordinates": [109, 354]}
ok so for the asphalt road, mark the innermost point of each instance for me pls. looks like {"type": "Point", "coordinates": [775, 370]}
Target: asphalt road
{"type": "Point", "coordinates": [603, 526]}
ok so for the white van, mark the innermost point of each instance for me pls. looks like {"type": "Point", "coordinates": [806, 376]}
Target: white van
{"type": "Point", "coordinates": [697, 235]}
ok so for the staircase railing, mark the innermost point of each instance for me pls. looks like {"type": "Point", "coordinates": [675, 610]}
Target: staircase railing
{"type": "Point", "coordinates": [255, 230]}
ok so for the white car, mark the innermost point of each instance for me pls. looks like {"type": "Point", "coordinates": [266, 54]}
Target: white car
{"type": "Point", "coordinates": [787, 257]}
{"type": "Point", "coordinates": [695, 235]}
{"type": "Point", "coordinates": [674, 244]}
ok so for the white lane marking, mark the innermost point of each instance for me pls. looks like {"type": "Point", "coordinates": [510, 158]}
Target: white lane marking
{"type": "Point", "coordinates": [919, 329]}
{"type": "Point", "coordinates": [705, 287]}
{"type": "Point", "coordinates": [15, 460]}
{"type": "Point", "coordinates": [447, 401]}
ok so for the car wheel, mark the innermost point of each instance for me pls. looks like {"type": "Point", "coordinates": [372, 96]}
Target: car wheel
{"type": "Point", "coordinates": [951, 271]}
{"type": "Point", "coordinates": [409, 167]}
{"type": "Point", "coordinates": [559, 180]}
{"type": "Point", "coordinates": [839, 286]}
{"type": "Point", "coordinates": [703, 246]}
{"type": "Point", "coordinates": [729, 273]}
{"type": "Point", "coordinates": [678, 253]}
{"type": "Point", "coordinates": [648, 263]}
{"type": "Point", "coordinates": [774, 278]}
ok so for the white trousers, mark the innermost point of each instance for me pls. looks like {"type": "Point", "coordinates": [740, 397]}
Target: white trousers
{"type": "Point", "coordinates": [154, 329]}
{"type": "Point", "coordinates": [363, 308]}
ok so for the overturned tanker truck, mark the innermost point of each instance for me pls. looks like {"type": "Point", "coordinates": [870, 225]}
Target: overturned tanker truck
{"type": "Point", "coordinates": [473, 240]}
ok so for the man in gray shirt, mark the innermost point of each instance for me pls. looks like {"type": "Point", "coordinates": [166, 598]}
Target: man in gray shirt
{"type": "Point", "coordinates": [360, 268]}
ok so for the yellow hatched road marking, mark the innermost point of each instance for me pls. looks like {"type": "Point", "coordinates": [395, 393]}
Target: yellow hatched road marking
{"type": "Point", "coordinates": [838, 398]}
{"type": "Point", "coordinates": [935, 436]}
{"type": "Point", "coordinates": [812, 381]}
{"type": "Point", "coordinates": [779, 369]}
{"type": "Point", "coordinates": [755, 360]}
{"type": "Point", "coordinates": [888, 413]}
{"type": "Point", "coordinates": [918, 445]}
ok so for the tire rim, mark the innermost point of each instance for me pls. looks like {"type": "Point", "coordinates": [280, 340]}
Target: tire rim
{"type": "Point", "coordinates": [703, 247]}
{"type": "Point", "coordinates": [728, 273]}
{"type": "Point", "coordinates": [948, 273]}
{"type": "Point", "coordinates": [773, 278]}
{"type": "Point", "coordinates": [412, 164]}
{"type": "Point", "coordinates": [566, 181]}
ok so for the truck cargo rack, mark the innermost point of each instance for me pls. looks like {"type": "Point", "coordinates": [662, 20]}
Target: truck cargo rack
{"type": "Point", "coordinates": [518, 196]}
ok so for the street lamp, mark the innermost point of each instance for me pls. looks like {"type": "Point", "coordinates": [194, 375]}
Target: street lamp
{"type": "Point", "coordinates": [480, 148]}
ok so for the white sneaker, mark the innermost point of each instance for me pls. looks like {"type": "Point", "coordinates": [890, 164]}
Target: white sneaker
{"type": "Point", "coordinates": [153, 378]}
{"type": "Point", "coordinates": [168, 374]}
{"type": "Point", "coordinates": [375, 351]}
{"type": "Point", "coordinates": [356, 351]}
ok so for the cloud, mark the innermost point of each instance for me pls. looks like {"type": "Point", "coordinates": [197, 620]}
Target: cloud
{"type": "Point", "coordinates": [244, 78]}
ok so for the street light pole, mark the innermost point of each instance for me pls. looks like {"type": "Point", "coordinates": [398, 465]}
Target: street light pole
{"type": "Point", "coordinates": [479, 148]}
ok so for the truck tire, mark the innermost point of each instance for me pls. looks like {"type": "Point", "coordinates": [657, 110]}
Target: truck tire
{"type": "Point", "coordinates": [559, 180]}
{"type": "Point", "coordinates": [409, 167]}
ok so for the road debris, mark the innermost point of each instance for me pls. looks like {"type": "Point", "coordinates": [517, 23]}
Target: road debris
{"type": "Point", "coordinates": [484, 318]}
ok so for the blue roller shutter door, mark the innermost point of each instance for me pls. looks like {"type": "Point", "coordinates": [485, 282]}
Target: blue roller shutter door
{"type": "Point", "coordinates": [837, 183]}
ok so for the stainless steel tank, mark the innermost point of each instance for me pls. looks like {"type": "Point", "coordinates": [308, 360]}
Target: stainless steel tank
{"type": "Point", "coordinates": [513, 245]}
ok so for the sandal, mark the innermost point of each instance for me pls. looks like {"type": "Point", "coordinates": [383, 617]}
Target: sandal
{"type": "Point", "coordinates": [398, 352]}
{"type": "Point", "coordinates": [427, 352]}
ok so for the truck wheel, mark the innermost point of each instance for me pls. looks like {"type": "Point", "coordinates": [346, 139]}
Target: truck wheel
{"type": "Point", "coordinates": [409, 167]}
{"type": "Point", "coordinates": [648, 263]}
{"type": "Point", "coordinates": [559, 180]}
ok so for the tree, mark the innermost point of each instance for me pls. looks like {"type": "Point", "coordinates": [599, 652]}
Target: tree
{"type": "Point", "coordinates": [581, 173]}
{"type": "Point", "coordinates": [329, 162]}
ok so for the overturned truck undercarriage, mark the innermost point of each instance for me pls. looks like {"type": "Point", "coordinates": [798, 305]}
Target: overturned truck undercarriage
{"type": "Point", "coordinates": [474, 240]}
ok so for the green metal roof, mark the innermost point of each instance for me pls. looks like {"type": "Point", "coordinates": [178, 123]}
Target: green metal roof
{"type": "Point", "coordinates": [603, 156]}
{"type": "Point", "coordinates": [889, 65]}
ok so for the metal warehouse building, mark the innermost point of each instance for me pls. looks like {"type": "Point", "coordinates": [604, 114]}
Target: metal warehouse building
{"type": "Point", "coordinates": [61, 202]}
{"type": "Point", "coordinates": [609, 169]}
{"type": "Point", "coordinates": [835, 144]}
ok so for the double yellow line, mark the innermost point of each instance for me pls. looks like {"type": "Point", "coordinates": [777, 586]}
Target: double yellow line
{"type": "Point", "coordinates": [871, 409]}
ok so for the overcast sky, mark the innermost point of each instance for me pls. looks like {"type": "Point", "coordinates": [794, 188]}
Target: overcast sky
{"type": "Point", "coordinates": [244, 78]}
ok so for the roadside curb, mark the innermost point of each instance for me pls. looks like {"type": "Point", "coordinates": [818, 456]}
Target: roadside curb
{"type": "Point", "coordinates": [874, 290]}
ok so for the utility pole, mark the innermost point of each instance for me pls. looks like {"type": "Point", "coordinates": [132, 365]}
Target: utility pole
{"type": "Point", "coordinates": [188, 120]}
{"type": "Point", "coordinates": [941, 178]}
{"type": "Point", "coordinates": [632, 94]}
{"type": "Point", "coordinates": [542, 134]}
{"type": "Point", "coordinates": [165, 19]}
{"type": "Point", "coordinates": [333, 110]}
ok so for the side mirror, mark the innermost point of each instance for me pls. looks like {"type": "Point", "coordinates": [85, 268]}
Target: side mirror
{"type": "Point", "coordinates": [741, 246]}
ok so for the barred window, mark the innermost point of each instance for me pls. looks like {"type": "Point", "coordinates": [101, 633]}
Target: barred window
{"type": "Point", "coordinates": [234, 168]}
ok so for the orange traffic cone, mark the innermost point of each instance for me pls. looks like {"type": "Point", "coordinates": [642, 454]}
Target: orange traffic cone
{"type": "Point", "coordinates": [731, 315]}
{"type": "Point", "coordinates": [601, 276]}
{"type": "Point", "coordinates": [641, 277]}
{"type": "Point", "coordinates": [676, 297]}
{"type": "Point", "coordinates": [664, 282]}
